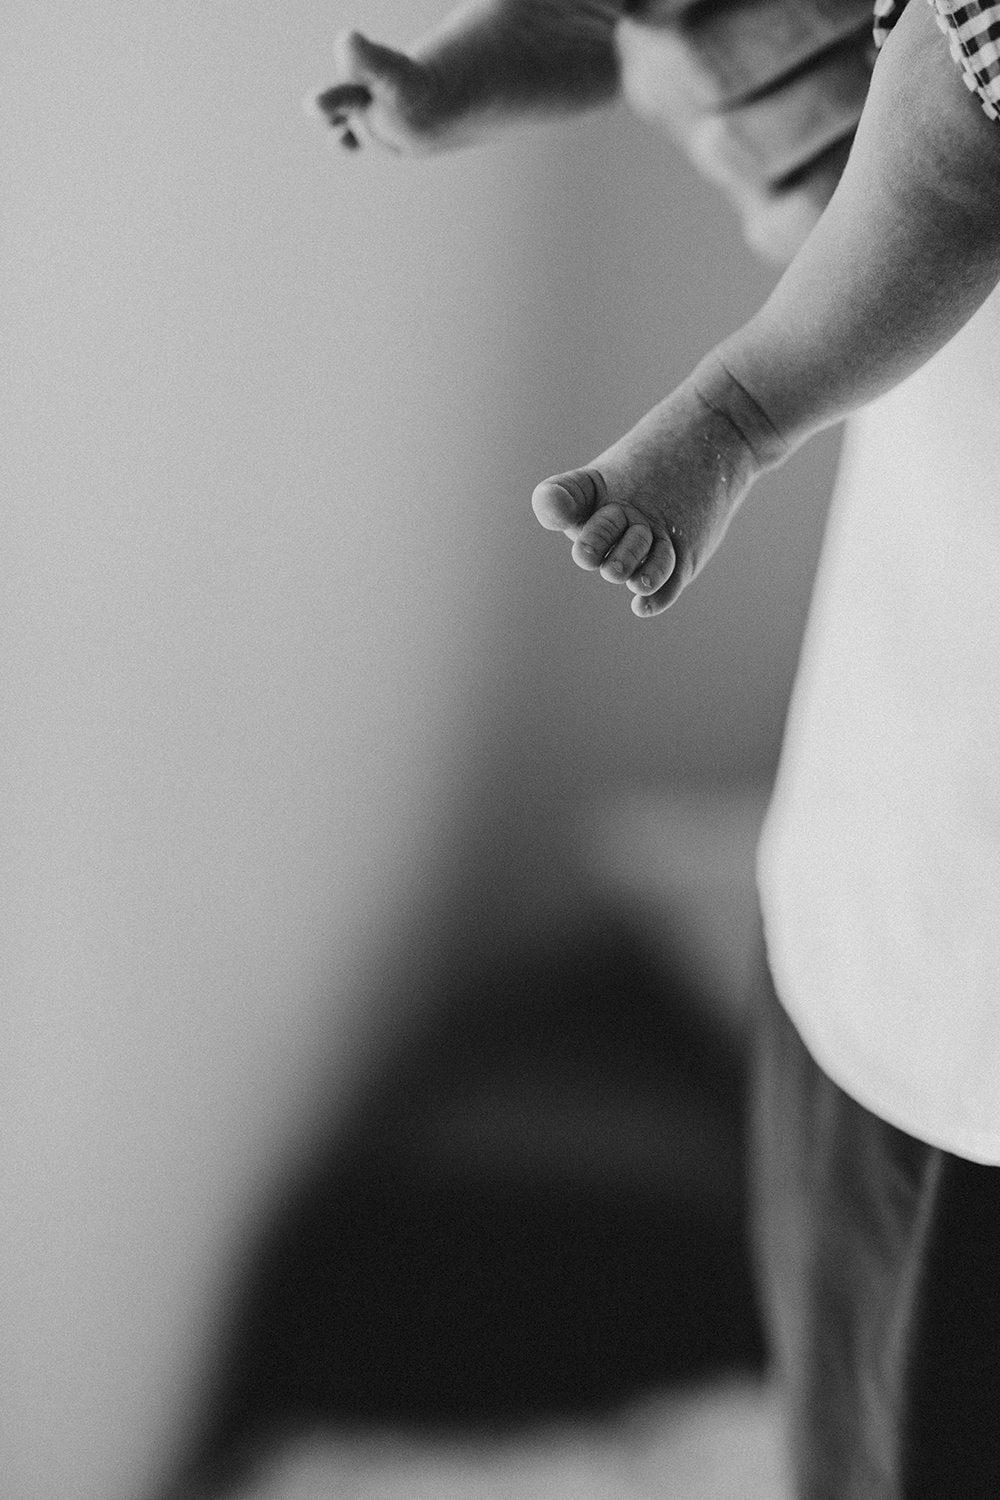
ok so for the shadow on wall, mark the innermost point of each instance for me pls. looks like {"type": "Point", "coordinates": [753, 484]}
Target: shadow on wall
{"type": "Point", "coordinates": [538, 1212]}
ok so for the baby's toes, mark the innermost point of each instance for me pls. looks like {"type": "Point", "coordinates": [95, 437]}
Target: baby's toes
{"type": "Point", "coordinates": [652, 572]}
{"type": "Point", "coordinates": [602, 533]}
{"type": "Point", "coordinates": [628, 554]}
{"type": "Point", "coordinates": [647, 605]}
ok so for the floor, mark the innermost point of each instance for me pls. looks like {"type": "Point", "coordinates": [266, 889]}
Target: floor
{"type": "Point", "coordinates": [535, 1225]}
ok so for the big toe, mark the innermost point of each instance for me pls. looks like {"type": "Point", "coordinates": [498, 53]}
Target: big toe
{"type": "Point", "coordinates": [565, 501]}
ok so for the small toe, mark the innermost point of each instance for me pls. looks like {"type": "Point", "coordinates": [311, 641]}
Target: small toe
{"type": "Point", "coordinates": [646, 606]}
{"type": "Point", "coordinates": [599, 536]}
{"type": "Point", "coordinates": [629, 554]}
{"type": "Point", "coordinates": [653, 571]}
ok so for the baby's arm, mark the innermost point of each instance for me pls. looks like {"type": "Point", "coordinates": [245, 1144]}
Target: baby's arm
{"type": "Point", "coordinates": [490, 64]}
{"type": "Point", "coordinates": [907, 249]}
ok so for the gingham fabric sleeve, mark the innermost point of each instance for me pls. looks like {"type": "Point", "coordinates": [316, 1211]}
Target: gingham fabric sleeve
{"type": "Point", "coordinates": [973, 31]}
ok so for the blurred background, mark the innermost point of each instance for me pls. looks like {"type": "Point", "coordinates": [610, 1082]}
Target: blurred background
{"type": "Point", "coordinates": [342, 811]}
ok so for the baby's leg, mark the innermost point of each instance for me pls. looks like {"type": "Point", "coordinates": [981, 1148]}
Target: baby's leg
{"type": "Point", "coordinates": [490, 64]}
{"type": "Point", "coordinates": [651, 510]}
{"type": "Point", "coordinates": [907, 250]}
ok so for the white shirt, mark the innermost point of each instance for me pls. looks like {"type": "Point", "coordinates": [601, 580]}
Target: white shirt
{"type": "Point", "coordinates": [879, 866]}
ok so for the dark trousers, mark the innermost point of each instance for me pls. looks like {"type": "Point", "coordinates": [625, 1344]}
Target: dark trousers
{"type": "Point", "coordinates": [880, 1274]}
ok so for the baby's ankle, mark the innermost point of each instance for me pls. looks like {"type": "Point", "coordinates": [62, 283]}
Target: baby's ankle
{"type": "Point", "coordinates": [718, 383]}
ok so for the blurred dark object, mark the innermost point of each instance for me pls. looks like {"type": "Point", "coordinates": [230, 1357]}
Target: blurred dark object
{"type": "Point", "coordinates": [538, 1213]}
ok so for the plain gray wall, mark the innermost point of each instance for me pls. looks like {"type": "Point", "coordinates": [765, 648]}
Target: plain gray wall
{"type": "Point", "coordinates": [291, 678]}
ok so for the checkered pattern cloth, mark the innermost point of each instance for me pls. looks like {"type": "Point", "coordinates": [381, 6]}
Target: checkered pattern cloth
{"type": "Point", "coordinates": [973, 31]}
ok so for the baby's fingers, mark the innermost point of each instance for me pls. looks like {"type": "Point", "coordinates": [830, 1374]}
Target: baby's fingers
{"type": "Point", "coordinates": [336, 103]}
{"type": "Point", "coordinates": [339, 106]}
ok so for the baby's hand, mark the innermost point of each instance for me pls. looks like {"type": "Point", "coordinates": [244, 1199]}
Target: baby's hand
{"type": "Point", "coordinates": [386, 96]}
{"type": "Point", "coordinates": [651, 510]}
{"type": "Point", "coordinates": [490, 64]}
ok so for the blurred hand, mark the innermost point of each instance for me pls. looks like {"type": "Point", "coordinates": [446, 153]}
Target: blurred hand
{"type": "Point", "coordinates": [397, 100]}
{"type": "Point", "coordinates": [486, 67]}
{"type": "Point", "coordinates": [763, 96]}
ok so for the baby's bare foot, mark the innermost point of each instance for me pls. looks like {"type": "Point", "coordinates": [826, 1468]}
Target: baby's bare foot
{"type": "Point", "coordinates": [651, 510]}
{"type": "Point", "coordinates": [626, 542]}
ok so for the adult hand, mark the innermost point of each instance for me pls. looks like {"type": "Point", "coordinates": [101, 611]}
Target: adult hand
{"type": "Point", "coordinates": [763, 95]}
